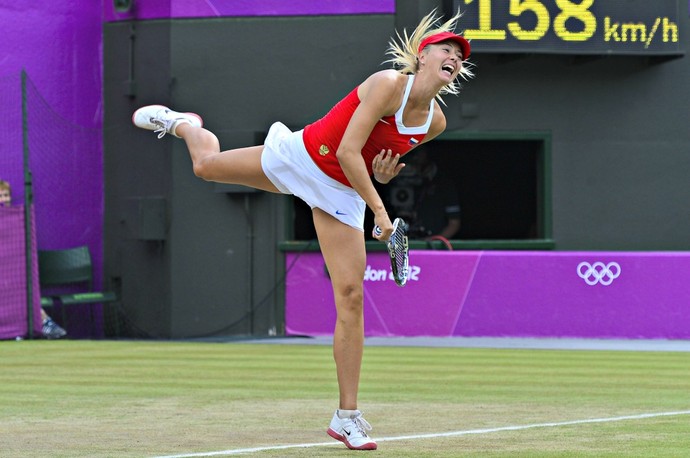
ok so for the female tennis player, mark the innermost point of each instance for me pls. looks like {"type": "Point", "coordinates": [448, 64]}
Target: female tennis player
{"type": "Point", "coordinates": [329, 165]}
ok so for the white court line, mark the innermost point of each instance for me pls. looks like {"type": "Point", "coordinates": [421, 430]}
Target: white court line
{"type": "Point", "coordinates": [240, 451]}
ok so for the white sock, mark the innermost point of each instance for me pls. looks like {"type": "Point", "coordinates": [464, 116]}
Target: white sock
{"type": "Point", "coordinates": [343, 414]}
{"type": "Point", "coordinates": [177, 123]}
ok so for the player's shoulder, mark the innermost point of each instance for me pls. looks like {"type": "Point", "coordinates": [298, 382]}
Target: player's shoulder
{"type": "Point", "coordinates": [390, 75]}
{"type": "Point", "coordinates": [384, 88]}
{"type": "Point", "coordinates": [386, 80]}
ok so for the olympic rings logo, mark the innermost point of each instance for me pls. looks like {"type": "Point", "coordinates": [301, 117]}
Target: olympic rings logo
{"type": "Point", "coordinates": [599, 272]}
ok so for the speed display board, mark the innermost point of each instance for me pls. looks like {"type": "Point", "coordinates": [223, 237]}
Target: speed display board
{"type": "Point", "coordinates": [634, 27]}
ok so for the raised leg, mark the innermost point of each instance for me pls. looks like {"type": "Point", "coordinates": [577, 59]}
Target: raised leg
{"type": "Point", "coordinates": [236, 166]}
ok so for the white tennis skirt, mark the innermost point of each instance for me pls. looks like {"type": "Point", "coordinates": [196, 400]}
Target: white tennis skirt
{"type": "Point", "coordinates": [287, 164]}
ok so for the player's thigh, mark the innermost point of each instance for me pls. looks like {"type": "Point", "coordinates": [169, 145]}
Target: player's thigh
{"type": "Point", "coordinates": [240, 166]}
{"type": "Point", "coordinates": [343, 250]}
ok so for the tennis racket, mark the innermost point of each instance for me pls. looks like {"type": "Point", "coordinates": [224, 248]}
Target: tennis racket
{"type": "Point", "coordinates": [398, 250]}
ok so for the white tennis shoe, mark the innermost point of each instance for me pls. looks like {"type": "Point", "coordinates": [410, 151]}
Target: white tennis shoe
{"type": "Point", "coordinates": [162, 120]}
{"type": "Point", "coordinates": [352, 431]}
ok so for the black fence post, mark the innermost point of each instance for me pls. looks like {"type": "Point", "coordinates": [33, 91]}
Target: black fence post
{"type": "Point", "coordinates": [28, 202]}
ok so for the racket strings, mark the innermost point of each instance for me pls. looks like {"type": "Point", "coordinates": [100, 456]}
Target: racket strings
{"type": "Point", "coordinates": [399, 245]}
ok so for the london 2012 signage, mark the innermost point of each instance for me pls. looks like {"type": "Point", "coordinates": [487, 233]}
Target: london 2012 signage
{"type": "Point", "coordinates": [615, 27]}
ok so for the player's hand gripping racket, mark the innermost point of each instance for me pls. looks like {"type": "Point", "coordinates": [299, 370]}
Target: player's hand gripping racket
{"type": "Point", "coordinates": [398, 251]}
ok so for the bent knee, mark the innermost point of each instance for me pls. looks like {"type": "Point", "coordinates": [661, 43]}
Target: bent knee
{"type": "Point", "coordinates": [203, 168]}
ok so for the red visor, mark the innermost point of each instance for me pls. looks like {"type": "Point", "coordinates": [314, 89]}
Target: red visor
{"type": "Point", "coordinates": [447, 36]}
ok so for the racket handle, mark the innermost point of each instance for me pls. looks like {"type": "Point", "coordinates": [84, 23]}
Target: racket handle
{"type": "Point", "coordinates": [377, 231]}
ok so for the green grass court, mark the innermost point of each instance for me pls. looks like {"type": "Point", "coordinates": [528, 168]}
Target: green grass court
{"type": "Point", "coordinates": [149, 399]}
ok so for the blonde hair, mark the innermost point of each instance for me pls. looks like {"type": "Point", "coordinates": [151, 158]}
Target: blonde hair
{"type": "Point", "coordinates": [404, 54]}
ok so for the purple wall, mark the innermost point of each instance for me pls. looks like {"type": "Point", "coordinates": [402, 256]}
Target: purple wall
{"type": "Point", "coordinates": [59, 46]}
{"type": "Point", "coordinates": [505, 294]}
{"type": "Point", "coordinates": [151, 9]}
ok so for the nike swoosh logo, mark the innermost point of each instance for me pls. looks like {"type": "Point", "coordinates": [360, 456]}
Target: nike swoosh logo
{"type": "Point", "coordinates": [338, 212]}
{"type": "Point", "coordinates": [347, 432]}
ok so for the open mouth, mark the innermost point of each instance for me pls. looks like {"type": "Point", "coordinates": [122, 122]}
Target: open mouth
{"type": "Point", "coordinates": [448, 69]}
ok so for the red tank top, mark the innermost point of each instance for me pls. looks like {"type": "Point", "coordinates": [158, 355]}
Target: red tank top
{"type": "Point", "coordinates": [322, 138]}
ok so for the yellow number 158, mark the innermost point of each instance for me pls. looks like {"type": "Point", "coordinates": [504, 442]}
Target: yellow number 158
{"type": "Point", "coordinates": [568, 11]}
